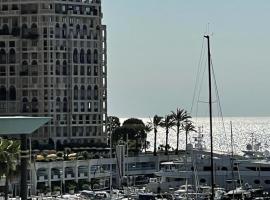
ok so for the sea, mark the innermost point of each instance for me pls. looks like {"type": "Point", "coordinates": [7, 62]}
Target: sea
{"type": "Point", "coordinates": [244, 131]}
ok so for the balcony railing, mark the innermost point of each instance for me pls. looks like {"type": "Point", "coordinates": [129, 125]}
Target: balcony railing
{"type": "Point", "coordinates": [30, 34]}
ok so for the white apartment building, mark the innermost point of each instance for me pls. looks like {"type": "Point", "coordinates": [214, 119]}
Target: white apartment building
{"type": "Point", "coordinates": [53, 63]}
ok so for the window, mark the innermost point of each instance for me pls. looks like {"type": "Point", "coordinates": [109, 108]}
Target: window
{"type": "Point", "coordinates": [82, 56]}
{"type": "Point", "coordinates": [75, 72]}
{"type": "Point", "coordinates": [76, 92]}
{"type": "Point", "coordinates": [96, 92]}
{"type": "Point", "coordinates": [2, 44]}
{"type": "Point", "coordinates": [64, 71]}
{"type": "Point", "coordinates": [95, 71]}
{"type": "Point", "coordinates": [80, 131]}
{"type": "Point", "coordinates": [65, 131]}
{"type": "Point", "coordinates": [82, 93]}
{"type": "Point", "coordinates": [12, 70]}
{"type": "Point", "coordinates": [3, 56]}
{"type": "Point", "coordinates": [34, 56]}
{"type": "Point", "coordinates": [58, 132]}
{"type": "Point", "coordinates": [75, 107]}
{"type": "Point", "coordinates": [80, 119]}
{"type": "Point", "coordinates": [3, 93]}
{"type": "Point", "coordinates": [95, 56]}
{"type": "Point", "coordinates": [57, 70]}
{"type": "Point", "coordinates": [87, 132]}
{"type": "Point", "coordinates": [88, 56]}
{"type": "Point", "coordinates": [25, 56]}
{"type": "Point", "coordinates": [4, 7]}
{"type": "Point", "coordinates": [11, 43]}
{"type": "Point", "coordinates": [82, 107]}
{"type": "Point", "coordinates": [75, 56]}
{"type": "Point", "coordinates": [82, 70]}
{"type": "Point", "coordinates": [89, 107]}
{"type": "Point", "coordinates": [74, 131]}
{"type": "Point", "coordinates": [88, 70]}
{"type": "Point", "coordinates": [34, 43]}
{"type": "Point", "coordinates": [87, 119]}
{"type": "Point", "coordinates": [65, 105]}
{"type": "Point", "coordinates": [14, 7]}
{"type": "Point", "coordinates": [58, 104]}
{"type": "Point", "coordinates": [25, 92]}
{"type": "Point", "coordinates": [2, 71]}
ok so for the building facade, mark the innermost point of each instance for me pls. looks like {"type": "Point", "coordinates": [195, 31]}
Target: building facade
{"type": "Point", "coordinates": [53, 63]}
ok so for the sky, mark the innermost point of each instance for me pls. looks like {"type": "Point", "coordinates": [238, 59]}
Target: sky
{"type": "Point", "coordinates": [154, 48]}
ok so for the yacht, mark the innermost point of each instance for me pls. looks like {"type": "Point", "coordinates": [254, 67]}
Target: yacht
{"type": "Point", "coordinates": [250, 169]}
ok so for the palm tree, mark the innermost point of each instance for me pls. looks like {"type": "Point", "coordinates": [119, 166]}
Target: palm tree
{"type": "Point", "coordinates": [147, 129]}
{"type": "Point", "coordinates": [188, 127]}
{"type": "Point", "coordinates": [113, 123]}
{"type": "Point", "coordinates": [9, 156]}
{"type": "Point", "coordinates": [179, 116]}
{"type": "Point", "coordinates": [167, 123]}
{"type": "Point", "coordinates": [157, 122]}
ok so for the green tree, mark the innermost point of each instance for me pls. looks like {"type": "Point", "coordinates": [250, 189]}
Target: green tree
{"type": "Point", "coordinates": [179, 117]}
{"type": "Point", "coordinates": [122, 134]}
{"type": "Point", "coordinates": [168, 123]}
{"type": "Point", "coordinates": [94, 183]}
{"type": "Point", "coordinates": [9, 157]}
{"type": "Point", "coordinates": [154, 124]}
{"type": "Point", "coordinates": [138, 135]}
{"type": "Point", "coordinates": [132, 130]}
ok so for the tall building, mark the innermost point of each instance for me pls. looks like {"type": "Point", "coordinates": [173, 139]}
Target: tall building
{"type": "Point", "coordinates": [53, 63]}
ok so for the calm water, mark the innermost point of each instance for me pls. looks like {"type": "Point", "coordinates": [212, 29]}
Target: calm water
{"type": "Point", "coordinates": [242, 129]}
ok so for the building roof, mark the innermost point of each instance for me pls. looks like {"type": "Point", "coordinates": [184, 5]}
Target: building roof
{"type": "Point", "coordinates": [14, 125]}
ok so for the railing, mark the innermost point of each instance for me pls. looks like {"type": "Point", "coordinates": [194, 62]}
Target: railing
{"type": "Point", "coordinates": [42, 178]}
{"type": "Point", "coordinates": [55, 176]}
{"type": "Point", "coordinates": [82, 174]}
{"type": "Point", "coordinates": [30, 34]}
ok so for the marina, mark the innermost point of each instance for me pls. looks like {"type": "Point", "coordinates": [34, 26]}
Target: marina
{"type": "Point", "coordinates": [62, 134]}
{"type": "Point", "coordinates": [167, 174]}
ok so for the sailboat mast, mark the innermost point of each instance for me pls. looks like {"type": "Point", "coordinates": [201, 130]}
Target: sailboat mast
{"type": "Point", "coordinates": [210, 115]}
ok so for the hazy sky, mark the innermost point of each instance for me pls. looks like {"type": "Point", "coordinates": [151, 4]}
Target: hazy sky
{"type": "Point", "coordinates": [154, 48]}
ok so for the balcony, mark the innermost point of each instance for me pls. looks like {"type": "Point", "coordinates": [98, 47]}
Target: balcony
{"type": "Point", "coordinates": [29, 9]}
{"type": "Point", "coordinates": [24, 73]}
{"type": "Point", "coordinates": [30, 34]}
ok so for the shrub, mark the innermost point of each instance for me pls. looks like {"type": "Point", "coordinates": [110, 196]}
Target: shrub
{"type": "Point", "coordinates": [59, 154]}
{"type": "Point", "coordinates": [86, 187]}
{"type": "Point", "coordinates": [56, 188]}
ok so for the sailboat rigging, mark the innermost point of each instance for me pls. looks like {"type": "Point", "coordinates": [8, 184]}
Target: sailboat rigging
{"type": "Point", "coordinates": [210, 115]}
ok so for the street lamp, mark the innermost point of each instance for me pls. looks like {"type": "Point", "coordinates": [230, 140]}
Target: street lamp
{"type": "Point", "coordinates": [61, 179]}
